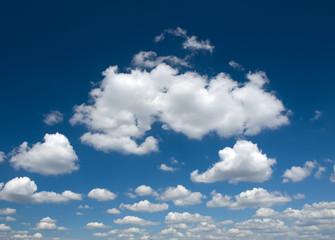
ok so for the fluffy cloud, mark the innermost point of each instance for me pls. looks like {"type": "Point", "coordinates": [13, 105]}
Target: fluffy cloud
{"type": "Point", "coordinates": [145, 206]}
{"type": "Point", "coordinates": [23, 190]}
{"type": "Point", "coordinates": [46, 224]}
{"type": "Point", "coordinates": [4, 227]}
{"type": "Point", "coordinates": [257, 197]}
{"type": "Point", "coordinates": [113, 211]}
{"type": "Point", "coordinates": [126, 105]}
{"type": "Point", "coordinates": [242, 163]}
{"type": "Point", "coordinates": [25, 236]}
{"type": "Point", "coordinates": [181, 196]}
{"type": "Point", "coordinates": [10, 219]}
{"type": "Point", "coordinates": [150, 59]}
{"type": "Point", "coordinates": [132, 220]}
{"type": "Point", "coordinates": [53, 118]}
{"type": "Point", "coordinates": [95, 225]}
{"type": "Point", "coordinates": [2, 156]}
{"type": "Point", "coordinates": [164, 167]}
{"type": "Point", "coordinates": [297, 174]}
{"type": "Point", "coordinates": [102, 194]}
{"type": "Point", "coordinates": [52, 157]}
{"type": "Point", "coordinates": [185, 217]}
{"type": "Point", "coordinates": [144, 190]}
{"type": "Point", "coordinates": [7, 211]}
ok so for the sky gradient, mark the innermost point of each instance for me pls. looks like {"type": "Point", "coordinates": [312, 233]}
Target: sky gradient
{"type": "Point", "coordinates": [180, 120]}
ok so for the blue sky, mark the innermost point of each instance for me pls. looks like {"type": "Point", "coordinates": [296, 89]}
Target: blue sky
{"type": "Point", "coordinates": [179, 120]}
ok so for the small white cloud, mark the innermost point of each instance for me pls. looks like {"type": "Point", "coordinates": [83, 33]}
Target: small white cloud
{"type": "Point", "coordinates": [53, 118]}
{"type": "Point", "coordinates": [299, 196]}
{"type": "Point", "coordinates": [7, 211]}
{"type": "Point", "coordinates": [257, 197]}
{"type": "Point", "coordinates": [62, 228]}
{"type": "Point", "coordinates": [113, 211]}
{"type": "Point", "coordinates": [95, 225]}
{"type": "Point", "coordinates": [102, 194]}
{"type": "Point", "coordinates": [181, 196]}
{"type": "Point", "coordinates": [2, 157]}
{"type": "Point", "coordinates": [145, 206]}
{"type": "Point", "coordinates": [185, 217]}
{"type": "Point", "coordinates": [264, 213]}
{"type": "Point", "coordinates": [10, 219]}
{"type": "Point", "coordinates": [79, 213]}
{"type": "Point", "coordinates": [4, 227]}
{"type": "Point", "coordinates": [242, 163]}
{"type": "Point", "coordinates": [297, 174]}
{"type": "Point", "coordinates": [132, 220]}
{"type": "Point", "coordinates": [144, 190]}
{"type": "Point", "coordinates": [319, 172]}
{"type": "Point", "coordinates": [164, 167]}
{"type": "Point", "coordinates": [46, 223]}
{"type": "Point", "coordinates": [236, 65]}
{"type": "Point", "coordinates": [23, 190]}
{"type": "Point", "coordinates": [84, 207]}
{"type": "Point", "coordinates": [52, 157]}
{"type": "Point", "coordinates": [332, 176]}
{"type": "Point", "coordinates": [318, 114]}
{"type": "Point", "coordinates": [150, 59]}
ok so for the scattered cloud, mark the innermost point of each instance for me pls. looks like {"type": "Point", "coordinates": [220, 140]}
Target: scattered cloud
{"type": "Point", "coordinates": [93, 225]}
{"type": "Point", "coordinates": [319, 172]}
{"type": "Point", "coordinates": [10, 219]}
{"type": "Point", "coordinates": [144, 190]}
{"type": "Point", "coordinates": [257, 197]}
{"type": "Point", "coordinates": [84, 207]}
{"type": "Point", "coordinates": [145, 206]}
{"type": "Point", "coordinates": [7, 211]}
{"type": "Point", "coordinates": [102, 194]}
{"type": "Point", "coordinates": [125, 106]}
{"type": "Point", "coordinates": [181, 196]}
{"type": "Point", "coordinates": [113, 211]}
{"type": "Point", "coordinates": [4, 227]}
{"type": "Point", "coordinates": [2, 157]}
{"type": "Point", "coordinates": [186, 217]}
{"type": "Point", "coordinates": [299, 196]}
{"type": "Point", "coordinates": [132, 220]}
{"type": "Point", "coordinates": [242, 163]}
{"type": "Point", "coordinates": [149, 59]}
{"type": "Point", "coordinates": [297, 174]}
{"type": "Point", "coordinates": [318, 114]}
{"type": "Point", "coordinates": [236, 65]}
{"type": "Point", "coordinates": [54, 156]}
{"type": "Point", "coordinates": [53, 118]}
{"type": "Point", "coordinates": [46, 223]}
{"type": "Point", "coordinates": [166, 168]}
{"type": "Point", "coordinates": [23, 190]}
{"type": "Point", "coordinates": [332, 176]}
{"type": "Point", "coordinates": [26, 236]}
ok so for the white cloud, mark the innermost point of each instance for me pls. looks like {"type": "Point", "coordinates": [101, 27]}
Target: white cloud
{"type": "Point", "coordinates": [299, 196]}
{"type": "Point", "coordinates": [2, 157]}
{"type": "Point", "coordinates": [25, 236]}
{"type": "Point", "coordinates": [242, 163]}
{"type": "Point", "coordinates": [332, 176]}
{"type": "Point", "coordinates": [7, 211]}
{"type": "Point", "coordinates": [297, 174]}
{"type": "Point", "coordinates": [319, 172]}
{"type": "Point", "coordinates": [171, 231]}
{"type": "Point", "coordinates": [23, 190]}
{"type": "Point", "coordinates": [84, 207]}
{"type": "Point", "coordinates": [52, 157]}
{"type": "Point", "coordinates": [145, 206]}
{"type": "Point", "coordinates": [132, 220]}
{"type": "Point", "coordinates": [186, 217]}
{"type": "Point", "coordinates": [53, 118]}
{"type": "Point", "coordinates": [126, 105]}
{"type": "Point", "coordinates": [150, 59]}
{"type": "Point", "coordinates": [95, 225]}
{"type": "Point", "coordinates": [265, 224]}
{"type": "Point", "coordinates": [113, 211]}
{"type": "Point", "coordinates": [102, 194]}
{"type": "Point", "coordinates": [181, 196]}
{"type": "Point", "coordinates": [144, 190]}
{"type": "Point", "coordinates": [236, 65]}
{"type": "Point", "coordinates": [4, 227]}
{"type": "Point", "coordinates": [264, 213]}
{"type": "Point", "coordinates": [190, 42]}
{"type": "Point", "coordinates": [257, 197]}
{"type": "Point", "coordinates": [62, 228]}
{"type": "Point", "coordinates": [318, 114]}
{"type": "Point", "coordinates": [164, 167]}
{"type": "Point", "coordinates": [10, 219]}
{"type": "Point", "coordinates": [46, 223]}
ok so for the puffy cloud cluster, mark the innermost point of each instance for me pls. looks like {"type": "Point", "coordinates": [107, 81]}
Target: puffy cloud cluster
{"type": "Point", "coordinates": [46, 223]}
{"type": "Point", "coordinates": [95, 225]}
{"type": "Point", "coordinates": [185, 217]}
{"type": "Point", "coordinates": [297, 174]}
{"type": "Point", "coordinates": [132, 220]}
{"type": "Point", "coordinates": [23, 190]}
{"type": "Point", "coordinates": [257, 197]}
{"type": "Point", "coordinates": [126, 105]}
{"type": "Point", "coordinates": [145, 206]}
{"type": "Point", "coordinates": [52, 157]}
{"type": "Point", "coordinates": [102, 194]}
{"type": "Point", "coordinates": [242, 163]}
{"type": "Point", "coordinates": [181, 196]}
{"type": "Point", "coordinates": [144, 190]}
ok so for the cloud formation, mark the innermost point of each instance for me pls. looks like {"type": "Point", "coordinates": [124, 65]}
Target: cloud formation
{"type": "Point", "coordinates": [126, 105]}
{"type": "Point", "coordinates": [23, 190]}
{"type": "Point", "coordinates": [145, 206]}
{"type": "Point", "coordinates": [242, 163]}
{"type": "Point", "coordinates": [297, 174]}
{"type": "Point", "coordinates": [54, 156]}
{"type": "Point", "coordinates": [101, 194]}
{"type": "Point", "coordinates": [132, 220]}
{"type": "Point", "coordinates": [53, 118]}
{"type": "Point", "coordinates": [181, 196]}
{"type": "Point", "coordinates": [186, 217]}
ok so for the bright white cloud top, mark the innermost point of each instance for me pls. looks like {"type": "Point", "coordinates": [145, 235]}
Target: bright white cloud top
{"type": "Point", "coordinates": [102, 194]}
{"type": "Point", "coordinates": [181, 196]}
{"type": "Point", "coordinates": [145, 206]}
{"type": "Point", "coordinates": [126, 105]}
{"type": "Point", "coordinates": [242, 163]}
{"type": "Point", "coordinates": [52, 157]}
{"type": "Point", "coordinates": [297, 174]}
